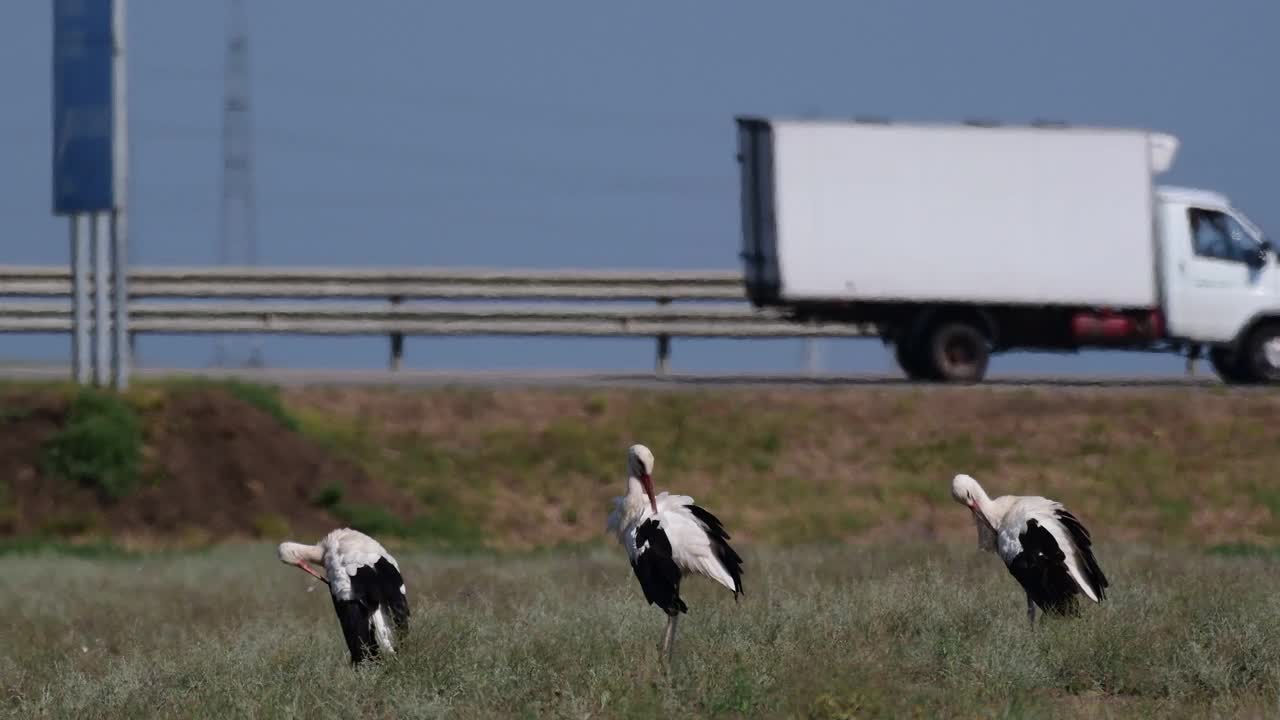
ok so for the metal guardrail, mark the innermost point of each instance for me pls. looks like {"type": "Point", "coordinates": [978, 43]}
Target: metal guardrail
{"type": "Point", "coordinates": [365, 283]}
{"type": "Point", "coordinates": [688, 304]}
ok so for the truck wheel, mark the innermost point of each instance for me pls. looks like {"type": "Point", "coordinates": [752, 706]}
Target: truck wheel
{"type": "Point", "coordinates": [1230, 366]}
{"type": "Point", "coordinates": [958, 352]}
{"type": "Point", "coordinates": [912, 360]}
{"type": "Point", "coordinates": [1262, 354]}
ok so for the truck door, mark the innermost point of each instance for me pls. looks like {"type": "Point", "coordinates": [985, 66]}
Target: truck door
{"type": "Point", "coordinates": [759, 226]}
{"type": "Point", "coordinates": [1222, 281]}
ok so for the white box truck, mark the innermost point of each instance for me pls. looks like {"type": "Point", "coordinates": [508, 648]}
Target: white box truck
{"type": "Point", "coordinates": [958, 241]}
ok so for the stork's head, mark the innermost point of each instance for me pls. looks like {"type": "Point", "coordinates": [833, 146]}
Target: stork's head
{"type": "Point", "coordinates": [290, 553]}
{"type": "Point", "coordinates": [966, 491]}
{"type": "Point", "coordinates": [640, 466]}
{"type": "Point", "coordinates": [297, 554]}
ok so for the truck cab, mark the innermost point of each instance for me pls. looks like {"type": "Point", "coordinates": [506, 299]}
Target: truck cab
{"type": "Point", "coordinates": [1221, 283]}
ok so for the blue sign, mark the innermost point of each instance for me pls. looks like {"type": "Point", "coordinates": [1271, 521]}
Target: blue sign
{"type": "Point", "coordinates": [83, 108]}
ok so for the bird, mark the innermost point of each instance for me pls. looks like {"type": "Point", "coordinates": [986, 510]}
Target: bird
{"type": "Point", "coordinates": [364, 580]}
{"type": "Point", "coordinates": [1045, 547]}
{"type": "Point", "coordinates": [667, 537]}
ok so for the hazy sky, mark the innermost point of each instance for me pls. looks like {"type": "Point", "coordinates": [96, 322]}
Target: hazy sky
{"type": "Point", "coordinates": [595, 134]}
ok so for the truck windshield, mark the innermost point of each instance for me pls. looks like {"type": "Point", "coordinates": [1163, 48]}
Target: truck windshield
{"type": "Point", "coordinates": [1252, 226]}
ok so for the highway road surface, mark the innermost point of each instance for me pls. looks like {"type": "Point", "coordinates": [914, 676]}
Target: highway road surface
{"type": "Point", "coordinates": [544, 378]}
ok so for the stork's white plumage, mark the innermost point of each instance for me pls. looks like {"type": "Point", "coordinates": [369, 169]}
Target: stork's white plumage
{"type": "Point", "coordinates": [364, 581]}
{"type": "Point", "coordinates": [1045, 547]}
{"type": "Point", "coordinates": [666, 537]}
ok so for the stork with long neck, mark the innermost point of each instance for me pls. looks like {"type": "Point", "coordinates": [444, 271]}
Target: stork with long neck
{"type": "Point", "coordinates": [1044, 546]}
{"type": "Point", "coordinates": [666, 537]}
{"type": "Point", "coordinates": [364, 581]}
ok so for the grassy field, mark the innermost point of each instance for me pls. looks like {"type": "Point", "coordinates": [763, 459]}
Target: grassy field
{"type": "Point", "coordinates": [866, 595]}
{"type": "Point", "coordinates": [832, 631]}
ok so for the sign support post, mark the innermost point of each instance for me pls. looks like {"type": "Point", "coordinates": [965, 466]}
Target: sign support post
{"type": "Point", "coordinates": [121, 358]}
{"type": "Point", "coordinates": [90, 179]}
{"type": "Point", "coordinates": [80, 300]}
{"type": "Point", "coordinates": [101, 299]}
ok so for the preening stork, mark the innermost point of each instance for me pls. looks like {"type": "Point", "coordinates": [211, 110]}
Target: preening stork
{"type": "Point", "coordinates": [1046, 548]}
{"type": "Point", "coordinates": [364, 580]}
{"type": "Point", "coordinates": [666, 537]}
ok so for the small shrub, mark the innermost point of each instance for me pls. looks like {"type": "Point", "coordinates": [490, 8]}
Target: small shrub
{"type": "Point", "coordinates": [270, 525]}
{"type": "Point", "coordinates": [369, 519]}
{"type": "Point", "coordinates": [14, 414]}
{"type": "Point", "coordinates": [596, 405]}
{"type": "Point", "coordinates": [447, 527]}
{"type": "Point", "coordinates": [569, 515]}
{"type": "Point", "coordinates": [100, 446]}
{"type": "Point", "coordinates": [71, 523]}
{"type": "Point", "coordinates": [329, 496]}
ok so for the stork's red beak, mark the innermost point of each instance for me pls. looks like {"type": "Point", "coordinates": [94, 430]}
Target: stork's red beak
{"type": "Point", "coordinates": [311, 571]}
{"type": "Point", "coordinates": [647, 482]}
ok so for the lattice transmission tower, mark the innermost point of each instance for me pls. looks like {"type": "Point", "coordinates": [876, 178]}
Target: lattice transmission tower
{"type": "Point", "coordinates": [237, 222]}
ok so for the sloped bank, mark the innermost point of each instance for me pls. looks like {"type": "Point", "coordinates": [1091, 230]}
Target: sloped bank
{"type": "Point", "coordinates": [188, 462]}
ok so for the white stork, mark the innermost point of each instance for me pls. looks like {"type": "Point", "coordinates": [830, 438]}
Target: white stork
{"type": "Point", "coordinates": [364, 581]}
{"type": "Point", "coordinates": [666, 537]}
{"type": "Point", "coordinates": [1045, 547]}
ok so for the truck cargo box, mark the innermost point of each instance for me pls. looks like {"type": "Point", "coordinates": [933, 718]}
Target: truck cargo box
{"type": "Point", "coordinates": [836, 211]}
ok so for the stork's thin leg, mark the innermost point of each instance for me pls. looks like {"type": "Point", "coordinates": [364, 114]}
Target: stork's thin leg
{"type": "Point", "coordinates": [1031, 612]}
{"type": "Point", "coordinates": [669, 639]}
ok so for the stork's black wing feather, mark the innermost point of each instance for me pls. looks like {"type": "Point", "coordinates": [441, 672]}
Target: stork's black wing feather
{"type": "Point", "coordinates": [657, 572]}
{"type": "Point", "coordinates": [720, 545]}
{"type": "Point", "coordinates": [1084, 549]}
{"type": "Point", "coordinates": [373, 587]}
{"type": "Point", "coordinates": [392, 593]}
{"type": "Point", "coordinates": [1041, 570]}
{"type": "Point", "coordinates": [353, 616]}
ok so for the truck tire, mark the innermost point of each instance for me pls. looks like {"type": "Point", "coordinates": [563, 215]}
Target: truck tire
{"type": "Point", "coordinates": [1230, 366]}
{"type": "Point", "coordinates": [912, 360]}
{"type": "Point", "coordinates": [1262, 354]}
{"type": "Point", "coordinates": [957, 352]}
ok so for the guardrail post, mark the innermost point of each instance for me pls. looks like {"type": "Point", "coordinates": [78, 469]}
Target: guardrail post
{"type": "Point", "coordinates": [664, 346]}
{"type": "Point", "coordinates": [397, 341]}
{"type": "Point", "coordinates": [811, 356]}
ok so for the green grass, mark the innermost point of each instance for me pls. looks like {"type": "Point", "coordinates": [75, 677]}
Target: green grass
{"type": "Point", "coordinates": [1166, 466]}
{"type": "Point", "coordinates": [99, 446]}
{"type": "Point", "coordinates": [263, 397]}
{"type": "Point", "coordinates": [27, 546]}
{"type": "Point", "coordinates": [823, 632]}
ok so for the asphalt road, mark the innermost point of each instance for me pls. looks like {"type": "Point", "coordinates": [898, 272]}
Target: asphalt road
{"type": "Point", "coordinates": [439, 378]}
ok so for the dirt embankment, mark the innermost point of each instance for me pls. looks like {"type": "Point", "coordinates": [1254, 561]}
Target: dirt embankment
{"type": "Point", "coordinates": [212, 467]}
